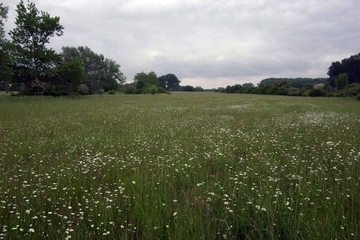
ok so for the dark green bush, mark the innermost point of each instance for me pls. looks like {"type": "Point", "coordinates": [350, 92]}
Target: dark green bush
{"type": "Point", "coordinates": [317, 93]}
{"type": "Point", "coordinates": [129, 89]}
{"type": "Point", "coordinates": [83, 89]}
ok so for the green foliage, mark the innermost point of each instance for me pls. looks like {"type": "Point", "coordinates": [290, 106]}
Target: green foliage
{"type": "Point", "coordinates": [70, 75]}
{"type": "Point", "coordinates": [354, 89]}
{"type": "Point", "coordinates": [162, 90]}
{"type": "Point", "coordinates": [169, 82]}
{"type": "Point", "coordinates": [101, 72]}
{"type": "Point", "coordinates": [293, 82]}
{"type": "Point", "coordinates": [5, 60]}
{"type": "Point", "coordinates": [33, 63]}
{"type": "Point", "coordinates": [233, 89]}
{"type": "Point", "coordinates": [83, 89]}
{"type": "Point", "coordinates": [146, 84]}
{"type": "Point", "coordinates": [187, 88]}
{"type": "Point", "coordinates": [112, 92]}
{"type": "Point", "coordinates": [358, 97]}
{"type": "Point", "coordinates": [139, 85]}
{"type": "Point", "coordinates": [3, 16]}
{"type": "Point", "coordinates": [248, 85]}
{"type": "Point", "coordinates": [342, 81]}
{"type": "Point", "coordinates": [146, 79]}
{"type": "Point", "coordinates": [129, 89]}
{"type": "Point", "coordinates": [316, 93]}
{"type": "Point", "coordinates": [350, 65]}
{"type": "Point", "coordinates": [151, 89]}
{"type": "Point", "coordinates": [296, 91]}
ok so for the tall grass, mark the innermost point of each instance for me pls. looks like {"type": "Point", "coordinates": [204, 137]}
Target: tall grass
{"type": "Point", "coordinates": [179, 166]}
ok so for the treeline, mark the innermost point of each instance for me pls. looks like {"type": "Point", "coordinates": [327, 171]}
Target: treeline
{"type": "Point", "coordinates": [27, 66]}
{"type": "Point", "coordinates": [149, 83]}
{"type": "Point", "coordinates": [343, 81]}
{"type": "Point", "coordinates": [295, 82]}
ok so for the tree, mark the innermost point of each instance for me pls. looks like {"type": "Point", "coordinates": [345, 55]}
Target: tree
{"type": "Point", "coordinates": [169, 82]}
{"type": "Point", "coordinates": [5, 70]}
{"type": "Point", "coordinates": [350, 65]}
{"type": "Point", "coordinates": [101, 72]}
{"type": "Point", "coordinates": [147, 79]}
{"type": "Point", "coordinates": [111, 75]}
{"type": "Point", "coordinates": [69, 77]}
{"type": "Point", "coordinates": [33, 63]}
{"type": "Point", "coordinates": [342, 81]}
{"type": "Point", "coordinates": [187, 88]}
{"type": "Point", "coordinates": [248, 85]}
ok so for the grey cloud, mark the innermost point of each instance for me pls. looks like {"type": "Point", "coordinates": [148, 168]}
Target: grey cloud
{"type": "Point", "coordinates": [212, 40]}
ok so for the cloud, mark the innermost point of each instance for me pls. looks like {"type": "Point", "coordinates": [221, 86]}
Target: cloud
{"type": "Point", "coordinates": [212, 42]}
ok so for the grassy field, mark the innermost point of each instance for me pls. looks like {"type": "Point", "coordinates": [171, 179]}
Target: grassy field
{"type": "Point", "coordinates": [179, 166]}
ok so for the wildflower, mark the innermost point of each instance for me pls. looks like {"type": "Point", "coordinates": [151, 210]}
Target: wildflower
{"type": "Point", "coordinates": [31, 230]}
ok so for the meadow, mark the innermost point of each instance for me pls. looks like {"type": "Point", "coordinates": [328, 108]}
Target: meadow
{"type": "Point", "coordinates": [179, 166]}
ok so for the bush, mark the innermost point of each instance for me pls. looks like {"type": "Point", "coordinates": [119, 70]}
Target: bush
{"type": "Point", "coordinates": [317, 93]}
{"type": "Point", "coordinates": [129, 89]}
{"type": "Point", "coordinates": [295, 92]}
{"type": "Point", "coordinates": [151, 89]}
{"type": "Point", "coordinates": [161, 90]}
{"type": "Point", "coordinates": [111, 92]}
{"type": "Point", "coordinates": [83, 89]}
{"type": "Point", "coordinates": [354, 89]}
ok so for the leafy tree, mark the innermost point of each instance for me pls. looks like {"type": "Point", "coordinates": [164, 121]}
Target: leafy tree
{"type": "Point", "coordinates": [169, 82]}
{"type": "Point", "coordinates": [317, 93]}
{"type": "Point", "coordinates": [147, 79]}
{"type": "Point", "coordinates": [152, 89]}
{"type": "Point", "coordinates": [70, 76]}
{"type": "Point", "coordinates": [188, 88]}
{"type": "Point", "coordinates": [101, 72]}
{"type": "Point", "coordinates": [198, 89]}
{"type": "Point", "coordinates": [5, 70]}
{"type": "Point", "coordinates": [248, 85]}
{"type": "Point", "coordinates": [294, 82]}
{"type": "Point", "coordinates": [33, 63]}
{"type": "Point", "coordinates": [139, 85]}
{"type": "Point", "coordinates": [3, 16]}
{"type": "Point", "coordinates": [111, 76]}
{"type": "Point", "coordinates": [350, 65]}
{"type": "Point", "coordinates": [233, 89]}
{"type": "Point", "coordinates": [282, 84]}
{"type": "Point", "coordinates": [129, 88]}
{"type": "Point", "coordinates": [342, 81]}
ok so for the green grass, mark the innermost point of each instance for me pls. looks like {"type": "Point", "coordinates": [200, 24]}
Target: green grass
{"type": "Point", "coordinates": [179, 166]}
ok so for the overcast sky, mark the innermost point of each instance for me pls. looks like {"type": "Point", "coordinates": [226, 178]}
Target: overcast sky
{"type": "Point", "coordinates": [210, 43]}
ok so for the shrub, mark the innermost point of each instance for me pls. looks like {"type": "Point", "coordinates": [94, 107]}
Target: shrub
{"type": "Point", "coordinates": [83, 89]}
{"type": "Point", "coordinates": [162, 90]}
{"type": "Point", "coordinates": [129, 89]}
{"type": "Point", "coordinates": [111, 92]}
{"type": "Point", "coordinates": [151, 89]}
{"type": "Point", "coordinates": [317, 93]}
{"type": "Point", "coordinates": [354, 89]}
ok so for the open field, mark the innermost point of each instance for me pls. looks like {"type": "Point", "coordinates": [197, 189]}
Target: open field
{"type": "Point", "coordinates": [179, 166]}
